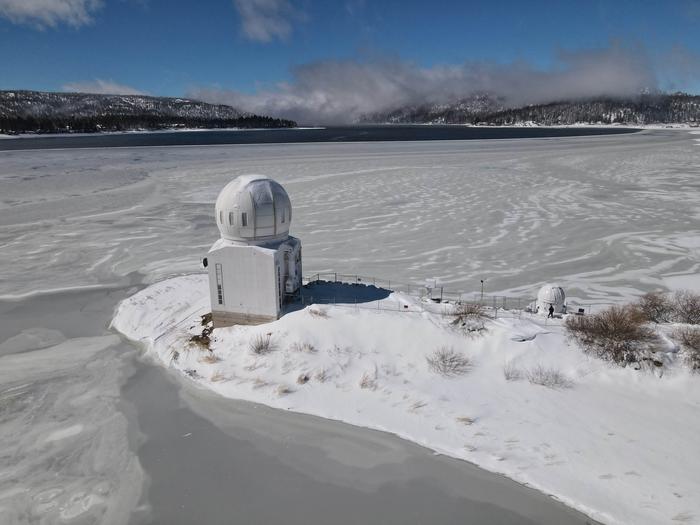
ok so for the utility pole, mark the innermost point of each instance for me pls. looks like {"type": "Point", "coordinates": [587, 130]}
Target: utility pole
{"type": "Point", "coordinates": [482, 291]}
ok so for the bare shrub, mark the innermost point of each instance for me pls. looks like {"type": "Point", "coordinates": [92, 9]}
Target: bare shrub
{"type": "Point", "coordinates": [471, 310]}
{"type": "Point", "coordinates": [206, 319]}
{"type": "Point", "coordinates": [549, 377]}
{"type": "Point", "coordinates": [511, 372]}
{"type": "Point", "coordinates": [686, 307]}
{"type": "Point", "coordinates": [689, 337]}
{"type": "Point", "coordinates": [618, 334]}
{"type": "Point", "coordinates": [656, 307]}
{"type": "Point", "coordinates": [465, 420]}
{"type": "Point", "coordinates": [368, 381]}
{"type": "Point", "coordinates": [262, 344]}
{"type": "Point", "coordinates": [470, 316]}
{"type": "Point", "coordinates": [445, 361]}
{"type": "Point", "coordinates": [303, 379]}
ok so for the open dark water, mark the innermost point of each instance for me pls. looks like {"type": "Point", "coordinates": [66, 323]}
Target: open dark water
{"type": "Point", "coordinates": [285, 136]}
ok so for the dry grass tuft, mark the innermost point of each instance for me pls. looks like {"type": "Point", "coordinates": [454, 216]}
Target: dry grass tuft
{"type": "Point", "coordinates": [262, 344]}
{"type": "Point", "coordinates": [511, 372]}
{"type": "Point", "coordinates": [259, 383]}
{"type": "Point", "coordinates": [303, 347]}
{"type": "Point", "coordinates": [209, 358]}
{"type": "Point", "coordinates": [217, 377]}
{"type": "Point", "coordinates": [466, 420]}
{"type": "Point", "coordinates": [283, 390]}
{"type": "Point", "coordinates": [303, 379]}
{"type": "Point", "coordinates": [318, 313]}
{"type": "Point", "coordinates": [549, 377]}
{"type": "Point", "coordinates": [368, 381]}
{"type": "Point", "coordinates": [321, 375]}
{"type": "Point", "coordinates": [445, 361]}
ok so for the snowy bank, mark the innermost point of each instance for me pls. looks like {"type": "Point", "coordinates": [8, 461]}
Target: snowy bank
{"type": "Point", "coordinates": [618, 444]}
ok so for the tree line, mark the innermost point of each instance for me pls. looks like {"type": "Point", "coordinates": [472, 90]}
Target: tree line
{"type": "Point", "coordinates": [11, 124]}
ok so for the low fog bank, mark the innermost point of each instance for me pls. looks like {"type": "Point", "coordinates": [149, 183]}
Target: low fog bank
{"type": "Point", "coordinates": [342, 91]}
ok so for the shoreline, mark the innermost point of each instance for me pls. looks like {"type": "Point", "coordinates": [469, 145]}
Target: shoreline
{"type": "Point", "coordinates": [585, 125]}
{"type": "Point", "coordinates": [312, 135]}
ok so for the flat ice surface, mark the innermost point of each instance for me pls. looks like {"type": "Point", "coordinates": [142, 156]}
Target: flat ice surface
{"type": "Point", "coordinates": [608, 217]}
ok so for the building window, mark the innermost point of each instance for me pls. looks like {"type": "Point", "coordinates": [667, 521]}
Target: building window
{"type": "Point", "coordinates": [219, 283]}
{"type": "Point", "coordinates": [230, 218]}
{"type": "Point", "coordinates": [244, 219]}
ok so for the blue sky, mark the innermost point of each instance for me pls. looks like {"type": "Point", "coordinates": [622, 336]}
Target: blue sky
{"type": "Point", "coordinates": [247, 47]}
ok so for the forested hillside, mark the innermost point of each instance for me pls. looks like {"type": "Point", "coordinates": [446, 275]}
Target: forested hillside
{"type": "Point", "coordinates": [43, 112]}
{"type": "Point", "coordinates": [484, 110]}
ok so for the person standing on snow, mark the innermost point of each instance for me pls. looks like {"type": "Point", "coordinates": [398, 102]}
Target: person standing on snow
{"type": "Point", "coordinates": [551, 312]}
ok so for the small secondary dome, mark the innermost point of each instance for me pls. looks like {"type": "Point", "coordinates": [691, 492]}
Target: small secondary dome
{"type": "Point", "coordinates": [253, 209]}
{"type": "Point", "coordinates": [553, 295]}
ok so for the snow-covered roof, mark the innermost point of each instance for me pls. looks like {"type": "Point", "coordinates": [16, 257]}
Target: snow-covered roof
{"type": "Point", "coordinates": [253, 209]}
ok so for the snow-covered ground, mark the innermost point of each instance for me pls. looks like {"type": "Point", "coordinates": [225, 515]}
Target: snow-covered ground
{"type": "Point", "coordinates": [617, 444]}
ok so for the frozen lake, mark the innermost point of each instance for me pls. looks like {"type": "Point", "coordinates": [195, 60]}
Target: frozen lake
{"type": "Point", "coordinates": [86, 425]}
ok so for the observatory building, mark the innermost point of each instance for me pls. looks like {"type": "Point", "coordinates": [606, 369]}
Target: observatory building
{"type": "Point", "coordinates": [256, 265]}
{"type": "Point", "coordinates": [551, 295]}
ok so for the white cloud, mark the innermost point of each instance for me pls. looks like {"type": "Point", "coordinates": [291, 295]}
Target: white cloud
{"type": "Point", "coordinates": [267, 20]}
{"type": "Point", "coordinates": [339, 91]}
{"type": "Point", "coordinates": [49, 13]}
{"type": "Point", "coordinates": [102, 87]}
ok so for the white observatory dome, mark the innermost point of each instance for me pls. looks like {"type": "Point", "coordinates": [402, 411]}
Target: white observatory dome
{"type": "Point", "coordinates": [253, 209]}
{"type": "Point", "coordinates": [553, 295]}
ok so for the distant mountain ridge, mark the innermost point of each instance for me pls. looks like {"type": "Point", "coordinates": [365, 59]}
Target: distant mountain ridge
{"type": "Point", "coordinates": [483, 109]}
{"type": "Point", "coordinates": [49, 112]}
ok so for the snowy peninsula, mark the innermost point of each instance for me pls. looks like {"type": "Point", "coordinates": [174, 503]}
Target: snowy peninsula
{"type": "Point", "coordinates": [520, 398]}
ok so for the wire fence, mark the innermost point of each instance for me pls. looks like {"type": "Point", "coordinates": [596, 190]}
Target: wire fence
{"type": "Point", "coordinates": [434, 298]}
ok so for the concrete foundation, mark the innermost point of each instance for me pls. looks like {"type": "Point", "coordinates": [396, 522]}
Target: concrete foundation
{"type": "Point", "coordinates": [222, 319]}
